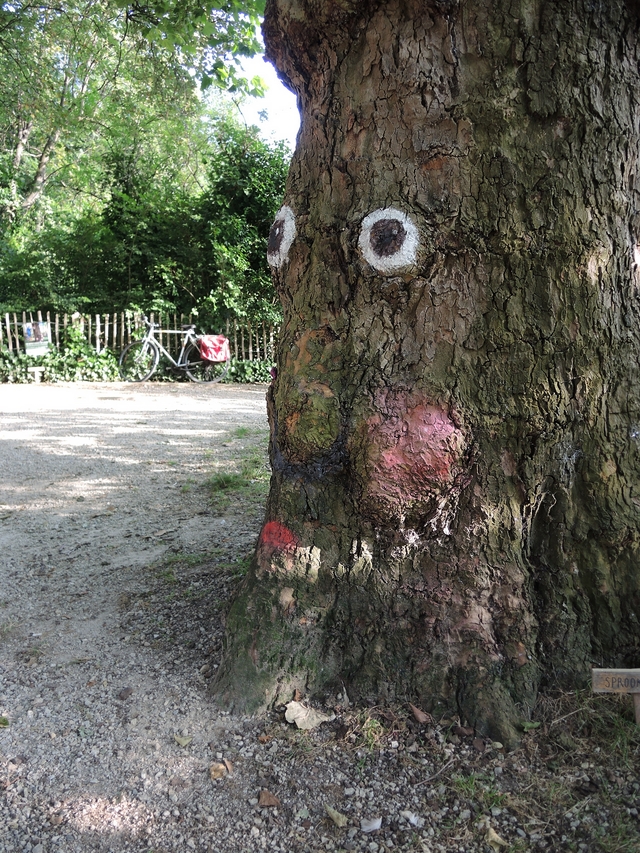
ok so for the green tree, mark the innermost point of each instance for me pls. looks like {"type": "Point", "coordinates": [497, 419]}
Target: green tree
{"type": "Point", "coordinates": [182, 227]}
{"type": "Point", "coordinates": [70, 71]}
{"type": "Point", "coordinates": [246, 183]}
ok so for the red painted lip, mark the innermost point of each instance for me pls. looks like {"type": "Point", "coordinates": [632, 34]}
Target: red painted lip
{"type": "Point", "coordinates": [276, 537]}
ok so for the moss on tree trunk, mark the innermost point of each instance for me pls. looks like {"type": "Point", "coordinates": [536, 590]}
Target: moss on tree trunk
{"type": "Point", "coordinates": [455, 500]}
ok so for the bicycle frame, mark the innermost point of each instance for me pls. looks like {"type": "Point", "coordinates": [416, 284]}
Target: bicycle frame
{"type": "Point", "coordinates": [139, 359]}
{"type": "Point", "coordinates": [189, 338]}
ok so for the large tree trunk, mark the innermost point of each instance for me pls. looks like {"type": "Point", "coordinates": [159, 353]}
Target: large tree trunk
{"type": "Point", "coordinates": [455, 503]}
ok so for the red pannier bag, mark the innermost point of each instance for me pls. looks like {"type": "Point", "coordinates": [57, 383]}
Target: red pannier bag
{"type": "Point", "coordinates": [214, 348]}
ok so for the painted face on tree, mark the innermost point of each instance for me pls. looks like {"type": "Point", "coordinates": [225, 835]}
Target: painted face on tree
{"type": "Point", "coordinates": [389, 240]}
{"type": "Point", "coordinates": [281, 236]}
{"type": "Point", "coordinates": [404, 448]}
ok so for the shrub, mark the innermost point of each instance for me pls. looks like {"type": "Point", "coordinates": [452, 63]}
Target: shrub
{"type": "Point", "coordinates": [249, 371]}
{"type": "Point", "coordinates": [77, 361]}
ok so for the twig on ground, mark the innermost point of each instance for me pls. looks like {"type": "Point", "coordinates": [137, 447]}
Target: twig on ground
{"type": "Point", "coordinates": [566, 716]}
{"type": "Point", "coordinates": [442, 769]}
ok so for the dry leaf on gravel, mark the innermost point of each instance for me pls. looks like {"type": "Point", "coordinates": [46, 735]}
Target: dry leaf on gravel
{"type": "Point", "coordinates": [420, 716]}
{"type": "Point", "coordinates": [228, 765]}
{"type": "Point", "coordinates": [338, 818]}
{"type": "Point", "coordinates": [266, 798]}
{"type": "Point", "coordinates": [305, 718]}
{"type": "Point", "coordinates": [182, 741]}
{"type": "Point", "coordinates": [463, 731]}
{"type": "Point", "coordinates": [217, 771]}
{"type": "Point", "coordinates": [478, 744]}
{"type": "Point", "coordinates": [493, 839]}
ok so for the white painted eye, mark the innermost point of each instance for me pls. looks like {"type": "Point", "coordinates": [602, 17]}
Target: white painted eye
{"type": "Point", "coordinates": [388, 240]}
{"type": "Point", "coordinates": [281, 236]}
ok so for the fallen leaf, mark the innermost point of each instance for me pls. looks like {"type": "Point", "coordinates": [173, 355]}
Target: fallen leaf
{"type": "Point", "coordinates": [90, 683]}
{"type": "Point", "coordinates": [297, 696]}
{"type": "Point", "coordinates": [55, 820]}
{"type": "Point", "coordinates": [4, 722]}
{"type": "Point", "coordinates": [493, 839]}
{"type": "Point", "coordinates": [217, 771]}
{"type": "Point", "coordinates": [182, 741]}
{"type": "Point", "coordinates": [420, 716]}
{"type": "Point", "coordinates": [264, 738]}
{"type": "Point", "coordinates": [305, 718]}
{"type": "Point", "coordinates": [478, 744]}
{"type": "Point", "coordinates": [228, 765]}
{"type": "Point", "coordinates": [266, 798]}
{"type": "Point", "coordinates": [371, 825]}
{"type": "Point", "coordinates": [125, 693]}
{"type": "Point", "coordinates": [463, 731]}
{"type": "Point", "coordinates": [338, 818]}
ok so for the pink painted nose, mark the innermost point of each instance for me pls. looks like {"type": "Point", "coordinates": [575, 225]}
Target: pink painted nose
{"type": "Point", "coordinates": [413, 453]}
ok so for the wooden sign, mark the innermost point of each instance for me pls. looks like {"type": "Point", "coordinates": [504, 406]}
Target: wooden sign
{"type": "Point", "coordinates": [618, 681]}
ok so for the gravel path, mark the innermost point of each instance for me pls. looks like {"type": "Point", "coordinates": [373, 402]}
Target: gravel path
{"type": "Point", "coordinates": [117, 562]}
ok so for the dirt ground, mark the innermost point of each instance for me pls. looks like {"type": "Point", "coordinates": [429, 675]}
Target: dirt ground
{"type": "Point", "coordinates": [113, 474]}
{"type": "Point", "coordinates": [127, 518]}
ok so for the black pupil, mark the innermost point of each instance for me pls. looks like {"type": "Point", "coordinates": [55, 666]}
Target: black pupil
{"type": "Point", "coordinates": [275, 236]}
{"type": "Point", "coordinates": [387, 237]}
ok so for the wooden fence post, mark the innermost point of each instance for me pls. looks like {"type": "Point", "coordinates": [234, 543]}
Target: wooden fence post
{"type": "Point", "coordinates": [253, 343]}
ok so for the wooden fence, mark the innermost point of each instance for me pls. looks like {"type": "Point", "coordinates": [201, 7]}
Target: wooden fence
{"type": "Point", "coordinates": [249, 342]}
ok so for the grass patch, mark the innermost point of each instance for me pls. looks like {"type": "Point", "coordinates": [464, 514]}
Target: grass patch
{"type": "Point", "coordinates": [478, 787]}
{"type": "Point", "coordinates": [242, 432]}
{"type": "Point", "coordinates": [226, 482]}
{"type": "Point", "coordinates": [244, 479]}
{"type": "Point", "coordinates": [5, 630]}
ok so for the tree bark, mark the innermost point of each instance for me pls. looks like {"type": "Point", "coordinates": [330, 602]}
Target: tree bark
{"type": "Point", "coordinates": [40, 177]}
{"type": "Point", "coordinates": [455, 424]}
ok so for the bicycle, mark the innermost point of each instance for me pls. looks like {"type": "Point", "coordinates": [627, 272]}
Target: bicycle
{"type": "Point", "coordinates": [139, 359]}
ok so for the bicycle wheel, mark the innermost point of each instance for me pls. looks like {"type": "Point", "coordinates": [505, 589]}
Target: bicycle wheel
{"type": "Point", "coordinates": [138, 361]}
{"type": "Point", "coordinates": [200, 370]}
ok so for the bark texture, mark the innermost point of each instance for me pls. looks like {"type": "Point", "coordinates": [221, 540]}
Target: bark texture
{"type": "Point", "coordinates": [455, 503]}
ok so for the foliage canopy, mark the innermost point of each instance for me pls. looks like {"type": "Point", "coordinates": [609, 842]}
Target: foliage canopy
{"type": "Point", "coordinates": [120, 186]}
